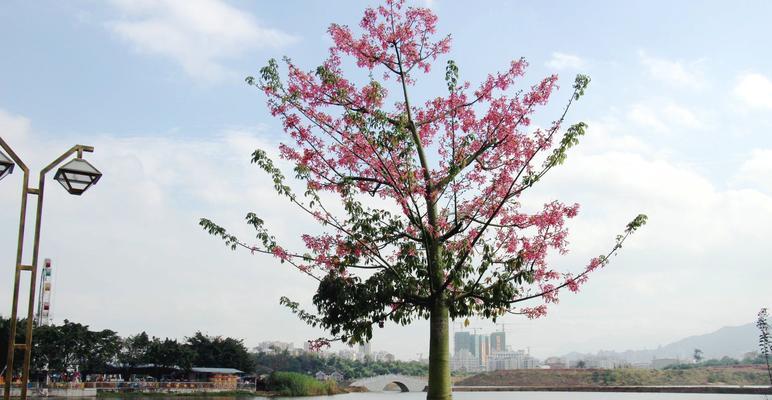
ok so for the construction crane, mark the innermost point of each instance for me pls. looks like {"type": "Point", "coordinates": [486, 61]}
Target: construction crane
{"type": "Point", "coordinates": [504, 325]}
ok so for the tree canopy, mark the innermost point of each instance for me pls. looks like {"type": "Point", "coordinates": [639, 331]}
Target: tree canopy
{"type": "Point", "coordinates": [460, 231]}
{"type": "Point", "coordinates": [310, 363]}
{"type": "Point", "coordinates": [73, 346]}
{"type": "Point", "coordinates": [433, 221]}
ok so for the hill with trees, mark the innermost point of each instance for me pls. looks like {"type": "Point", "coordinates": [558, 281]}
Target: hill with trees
{"type": "Point", "coordinates": [731, 341]}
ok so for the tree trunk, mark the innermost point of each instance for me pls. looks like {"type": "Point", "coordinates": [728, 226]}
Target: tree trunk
{"type": "Point", "coordinates": [439, 353]}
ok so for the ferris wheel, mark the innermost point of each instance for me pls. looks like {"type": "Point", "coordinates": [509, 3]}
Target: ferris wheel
{"type": "Point", "coordinates": [44, 300]}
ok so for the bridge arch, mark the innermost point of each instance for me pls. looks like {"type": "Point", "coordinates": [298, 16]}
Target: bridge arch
{"type": "Point", "coordinates": [404, 382]}
{"type": "Point", "coordinates": [402, 387]}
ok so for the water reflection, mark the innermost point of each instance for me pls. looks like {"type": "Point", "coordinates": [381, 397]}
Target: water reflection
{"type": "Point", "coordinates": [490, 396]}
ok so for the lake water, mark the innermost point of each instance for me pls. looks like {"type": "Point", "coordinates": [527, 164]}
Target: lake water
{"type": "Point", "coordinates": [503, 396]}
{"type": "Point", "coordinates": [545, 396]}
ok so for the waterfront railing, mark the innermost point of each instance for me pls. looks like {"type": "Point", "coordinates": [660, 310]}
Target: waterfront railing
{"type": "Point", "coordinates": [142, 386]}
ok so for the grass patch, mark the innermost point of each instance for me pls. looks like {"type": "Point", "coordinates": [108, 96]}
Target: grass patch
{"type": "Point", "coordinates": [296, 384]}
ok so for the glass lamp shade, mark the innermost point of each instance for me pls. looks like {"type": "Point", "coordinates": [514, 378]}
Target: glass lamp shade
{"type": "Point", "coordinates": [6, 165]}
{"type": "Point", "coordinates": [77, 176]}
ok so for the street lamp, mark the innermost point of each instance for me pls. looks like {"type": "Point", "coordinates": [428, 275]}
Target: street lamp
{"type": "Point", "coordinates": [6, 165]}
{"type": "Point", "coordinates": [76, 176]}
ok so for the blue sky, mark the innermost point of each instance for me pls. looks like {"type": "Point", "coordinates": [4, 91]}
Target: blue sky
{"type": "Point", "coordinates": [680, 111]}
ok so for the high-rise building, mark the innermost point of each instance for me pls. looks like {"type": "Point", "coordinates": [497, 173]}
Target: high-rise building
{"type": "Point", "coordinates": [498, 342]}
{"type": "Point", "coordinates": [471, 349]}
{"type": "Point", "coordinates": [511, 360]}
{"type": "Point", "coordinates": [479, 352]}
{"type": "Point", "coordinates": [464, 361]}
{"type": "Point", "coordinates": [274, 347]}
{"type": "Point", "coordinates": [481, 348]}
{"type": "Point", "coordinates": [462, 341]}
{"type": "Point", "coordinates": [364, 352]}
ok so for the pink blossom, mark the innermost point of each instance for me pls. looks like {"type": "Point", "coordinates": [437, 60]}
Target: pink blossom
{"type": "Point", "coordinates": [346, 136]}
{"type": "Point", "coordinates": [318, 344]}
{"type": "Point", "coordinates": [280, 253]}
{"type": "Point", "coordinates": [535, 312]}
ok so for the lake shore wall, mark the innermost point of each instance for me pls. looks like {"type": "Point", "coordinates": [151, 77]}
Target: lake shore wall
{"type": "Point", "coordinates": [629, 389]}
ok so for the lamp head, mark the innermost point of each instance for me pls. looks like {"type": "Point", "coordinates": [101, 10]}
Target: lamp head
{"type": "Point", "coordinates": [77, 176]}
{"type": "Point", "coordinates": [6, 165]}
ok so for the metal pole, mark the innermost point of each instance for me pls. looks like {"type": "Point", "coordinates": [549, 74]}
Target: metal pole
{"type": "Point", "coordinates": [26, 190]}
{"type": "Point", "coordinates": [20, 246]}
{"type": "Point", "coordinates": [33, 276]}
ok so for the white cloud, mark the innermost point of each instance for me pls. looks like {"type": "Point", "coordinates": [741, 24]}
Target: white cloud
{"type": "Point", "coordinates": [565, 61]}
{"type": "Point", "coordinates": [756, 171]}
{"type": "Point", "coordinates": [754, 90]}
{"type": "Point", "coordinates": [200, 35]}
{"type": "Point", "coordinates": [681, 116]}
{"type": "Point", "coordinates": [14, 128]}
{"type": "Point", "coordinates": [678, 73]}
{"type": "Point", "coordinates": [129, 255]}
{"type": "Point", "coordinates": [664, 116]}
{"type": "Point", "coordinates": [646, 116]}
{"type": "Point", "coordinates": [611, 134]}
{"type": "Point", "coordinates": [141, 262]}
{"type": "Point", "coordinates": [700, 240]}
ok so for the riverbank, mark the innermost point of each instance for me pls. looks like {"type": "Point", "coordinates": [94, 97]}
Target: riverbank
{"type": "Point", "coordinates": [69, 392]}
{"type": "Point", "coordinates": [223, 393]}
{"type": "Point", "coordinates": [623, 377]}
{"type": "Point", "coordinates": [621, 389]}
{"type": "Point", "coordinates": [279, 384]}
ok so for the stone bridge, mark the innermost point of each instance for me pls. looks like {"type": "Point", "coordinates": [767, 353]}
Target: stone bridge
{"type": "Point", "coordinates": [406, 383]}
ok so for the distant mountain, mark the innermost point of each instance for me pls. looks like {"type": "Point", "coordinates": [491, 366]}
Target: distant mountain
{"type": "Point", "coordinates": [732, 341]}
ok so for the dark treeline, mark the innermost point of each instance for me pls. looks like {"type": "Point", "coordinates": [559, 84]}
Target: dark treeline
{"type": "Point", "coordinates": [311, 363]}
{"type": "Point", "coordinates": [73, 346]}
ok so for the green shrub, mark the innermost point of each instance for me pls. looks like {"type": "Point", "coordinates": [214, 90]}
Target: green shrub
{"type": "Point", "coordinates": [296, 384]}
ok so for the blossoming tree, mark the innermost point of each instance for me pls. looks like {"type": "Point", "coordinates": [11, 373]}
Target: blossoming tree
{"type": "Point", "coordinates": [455, 241]}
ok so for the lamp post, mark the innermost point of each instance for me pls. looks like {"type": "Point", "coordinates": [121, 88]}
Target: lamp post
{"type": "Point", "coordinates": [76, 177]}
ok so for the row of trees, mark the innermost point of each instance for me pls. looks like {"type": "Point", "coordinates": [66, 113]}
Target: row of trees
{"type": "Point", "coordinates": [310, 363]}
{"type": "Point", "coordinates": [752, 358]}
{"type": "Point", "coordinates": [73, 346]}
